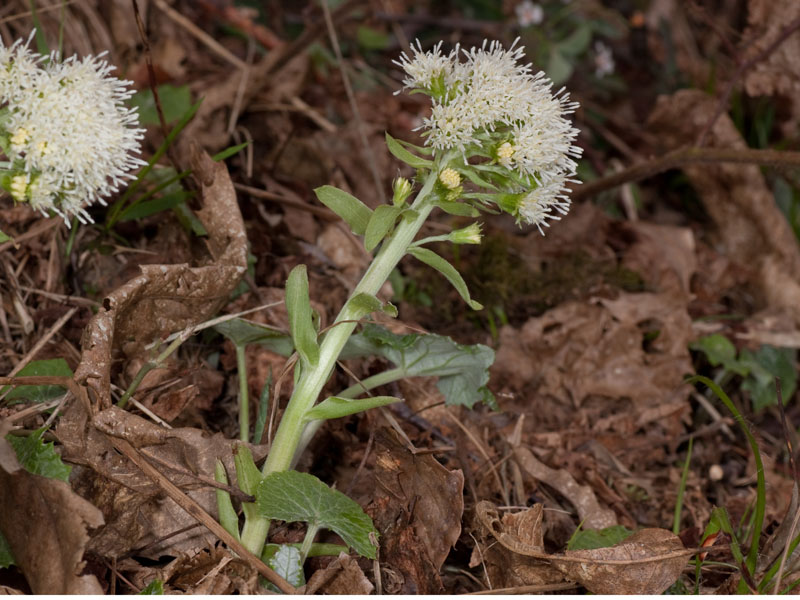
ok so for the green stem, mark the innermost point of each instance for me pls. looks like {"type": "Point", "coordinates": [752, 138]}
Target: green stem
{"type": "Point", "coordinates": [311, 533]}
{"type": "Point", "coordinates": [307, 390]}
{"type": "Point", "coordinates": [244, 394]}
{"type": "Point", "coordinates": [150, 365]}
{"type": "Point", "coordinates": [311, 427]}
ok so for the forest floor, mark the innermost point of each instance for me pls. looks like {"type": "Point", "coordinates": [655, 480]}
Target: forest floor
{"type": "Point", "coordinates": [679, 257]}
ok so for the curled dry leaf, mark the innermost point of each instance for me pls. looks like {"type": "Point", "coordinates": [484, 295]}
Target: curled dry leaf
{"type": "Point", "coordinates": [590, 512]}
{"type": "Point", "coordinates": [647, 562]}
{"type": "Point", "coordinates": [45, 524]}
{"type": "Point", "coordinates": [168, 298]}
{"type": "Point", "coordinates": [506, 568]}
{"type": "Point", "coordinates": [749, 222]}
{"type": "Point", "coordinates": [417, 509]}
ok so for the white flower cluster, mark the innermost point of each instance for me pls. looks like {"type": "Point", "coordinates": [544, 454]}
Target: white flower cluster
{"type": "Point", "coordinates": [491, 104]}
{"type": "Point", "coordinates": [64, 128]}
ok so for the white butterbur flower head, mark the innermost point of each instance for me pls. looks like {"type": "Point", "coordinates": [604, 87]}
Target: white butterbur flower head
{"type": "Point", "coordinates": [491, 105]}
{"type": "Point", "coordinates": [67, 130]}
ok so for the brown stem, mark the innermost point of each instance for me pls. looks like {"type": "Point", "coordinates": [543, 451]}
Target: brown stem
{"type": "Point", "coordinates": [743, 67]}
{"type": "Point", "coordinates": [686, 156]}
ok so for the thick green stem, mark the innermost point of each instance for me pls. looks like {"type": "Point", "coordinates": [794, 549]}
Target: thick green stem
{"type": "Point", "coordinates": [307, 390]}
{"type": "Point", "coordinates": [244, 394]}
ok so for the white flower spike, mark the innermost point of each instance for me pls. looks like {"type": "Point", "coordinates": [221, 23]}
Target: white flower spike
{"type": "Point", "coordinates": [491, 105]}
{"type": "Point", "coordinates": [68, 133]}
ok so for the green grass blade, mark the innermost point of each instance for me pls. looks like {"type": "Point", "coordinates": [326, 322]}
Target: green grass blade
{"type": "Point", "coordinates": [758, 524]}
{"type": "Point", "coordinates": [676, 522]}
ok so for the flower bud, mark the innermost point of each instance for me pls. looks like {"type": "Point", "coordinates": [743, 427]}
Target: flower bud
{"type": "Point", "coordinates": [402, 190]}
{"type": "Point", "coordinates": [450, 178]}
{"type": "Point", "coordinates": [467, 235]}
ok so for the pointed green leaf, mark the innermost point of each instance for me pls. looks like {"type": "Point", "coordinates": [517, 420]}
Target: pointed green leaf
{"type": "Point", "coordinates": [6, 558]}
{"type": "Point", "coordinates": [363, 304]}
{"type": "Point", "coordinates": [459, 209]}
{"type": "Point", "coordinates": [291, 496]}
{"type": "Point", "coordinates": [284, 559]}
{"type": "Point", "coordinates": [335, 407]}
{"type": "Point", "coordinates": [230, 151]}
{"type": "Point", "coordinates": [227, 514]}
{"type": "Point", "coordinates": [379, 225]}
{"type": "Point", "coordinates": [247, 474]}
{"type": "Point", "coordinates": [472, 175]}
{"type": "Point", "coordinates": [427, 151]}
{"type": "Point", "coordinates": [154, 588]}
{"type": "Point", "coordinates": [243, 332]}
{"type": "Point", "coordinates": [432, 259]}
{"type": "Point", "coordinates": [4, 237]}
{"type": "Point", "coordinates": [38, 457]}
{"type": "Point", "coordinates": [301, 324]}
{"type": "Point", "coordinates": [354, 212]}
{"type": "Point", "coordinates": [401, 153]}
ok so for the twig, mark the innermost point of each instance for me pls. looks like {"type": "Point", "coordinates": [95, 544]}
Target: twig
{"type": "Point", "coordinates": [41, 344]}
{"type": "Point", "coordinates": [687, 156]}
{"type": "Point", "coordinates": [196, 511]}
{"type": "Point", "coordinates": [321, 212]}
{"type": "Point", "coordinates": [722, 105]}
{"type": "Point", "coordinates": [368, 155]}
{"type": "Point", "coordinates": [201, 35]}
{"type": "Point", "coordinates": [529, 589]}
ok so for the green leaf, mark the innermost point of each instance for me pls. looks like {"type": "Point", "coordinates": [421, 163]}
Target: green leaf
{"type": "Point", "coordinates": [372, 39]}
{"type": "Point", "coordinates": [284, 559]}
{"type": "Point", "coordinates": [291, 496]}
{"type": "Point", "coordinates": [230, 151]}
{"type": "Point", "coordinates": [38, 457]}
{"type": "Point", "coordinates": [301, 323]}
{"type": "Point", "coordinates": [577, 42]}
{"type": "Point", "coordinates": [459, 209]}
{"type": "Point", "coordinates": [590, 539]}
{"type": "Point", "coordinates": [719, 350]}
{"type": "Point", "coordinates": [765, 365]}
{"type": "Point", "coordinates": [174, 100]}
{"type": "Point", "coordinates": [154, 588]}
{"type": "Point", "coordinates": [156, 205]}
{"type": "Point", "coordinates": [6, 558]}
{"type": "Point", "coordinates": [463, 371]}
{"type": "Point", "coordinates": [227, 514]}
{"type": "Point", "coordinates": [432, 259]}
{"type": "Point", "coordinates": [354, 212]}
{"type": "Point", "coordinates": [363, 304]}
{"type": "Point", "coordinates": [247, 474]}
{"type": "Point", "coordinates": [559, 69]}
{"type": "Point", "coordinates": [4, 237]}
{"type": "Point", "coordinates": [243, 332]}
{"type": "Point", "coordinates": [404, 155]}
{"type": "Point", "coordinates": [57, 367]}
{"type": "Point", "coordinates": [380, 223]}
{"type": "Point", "coordinates": [335, 407]}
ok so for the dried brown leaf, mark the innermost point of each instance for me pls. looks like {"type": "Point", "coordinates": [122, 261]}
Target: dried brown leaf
{"type": "Point", "coordinates": [168, 298]}
{"type": "Point", "coordinates": [749, 223]}
{"type": "Point", "coordinates": [342, 576]}
{"type": "Point", "coordinates": [136, 512]}
{"type": "Point", "coordinates": [417, 509]}
{"type": "Point", "coordinates": [648, 562]}
{"type": "Point", "coordinates": [45, 524]}
{"type": "Point", "coordinates": [590, 512]}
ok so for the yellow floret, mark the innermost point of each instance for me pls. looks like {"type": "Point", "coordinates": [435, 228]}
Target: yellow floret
{"type": "Point", "coordinates": [450, 178]}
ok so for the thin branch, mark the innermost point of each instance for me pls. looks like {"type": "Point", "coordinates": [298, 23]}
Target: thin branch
{"type": "Point", "coordinates": [722, 105]}
{"type": "Point", "coordinates": [682, 157]}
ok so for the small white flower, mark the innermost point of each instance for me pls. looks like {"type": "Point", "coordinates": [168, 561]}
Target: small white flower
{"type": "Point", "coordinates": [539, 205]}
{"type": "Point", "coordinates": [529, 13]}
{"type": "Point", "coordinates": [603, 59]}
{"type": "Point", "coordinates": [68, 128]}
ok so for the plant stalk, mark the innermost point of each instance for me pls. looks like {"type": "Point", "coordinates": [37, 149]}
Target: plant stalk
{"type": "Point", "coordinates": [244, 395]}
{"type": "Point", "coordinates": [289, 433]}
